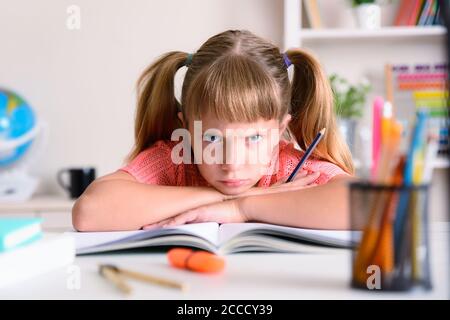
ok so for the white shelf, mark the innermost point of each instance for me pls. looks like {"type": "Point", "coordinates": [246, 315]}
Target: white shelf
{"type": "Point", "coordinates": [39, 204]}
{"type": "Point", "coordinates": [441, 163]}
{"type": "Point", "coordinates": [383, 33]}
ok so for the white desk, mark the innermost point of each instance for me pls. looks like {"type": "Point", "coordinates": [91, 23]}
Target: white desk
{"type": "Point", "coordinates": [247, 276]}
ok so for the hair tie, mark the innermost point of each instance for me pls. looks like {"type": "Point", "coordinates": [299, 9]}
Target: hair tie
{"type": "Point", "coordinates": [287, 61]}
{"type": "Point", "coordinates": [188, 59]}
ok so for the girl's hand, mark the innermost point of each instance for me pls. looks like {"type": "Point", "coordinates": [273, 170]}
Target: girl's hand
{"type": "Point", "coordinates": [221, 212]}
{"type": "Point", "coordinates": [302, 180]}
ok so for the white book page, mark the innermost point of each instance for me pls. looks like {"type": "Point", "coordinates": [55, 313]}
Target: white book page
{"type": "Point", "coordinates": [206, 230]}
{"type": "Point", "coordinates": [231, 230]}
{"type": "Point", "coordinates": [92, 239]}
{"type": "Point", "coordinates": [227, 231]}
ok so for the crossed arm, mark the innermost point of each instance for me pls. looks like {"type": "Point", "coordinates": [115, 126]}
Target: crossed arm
{"type": "Point", "coordinates": [118, 202]}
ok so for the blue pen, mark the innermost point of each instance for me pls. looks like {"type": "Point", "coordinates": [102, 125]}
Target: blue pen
{"type": "Point", "coordinates": [307, 154]}
{"type": "Point", "coordinates": [417, 141]}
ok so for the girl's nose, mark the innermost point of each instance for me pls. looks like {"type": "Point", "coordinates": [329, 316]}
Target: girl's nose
{"type": "Point", "coordinates": [231, 166]}
{"type": "Point", "coordinates": [233, 159]}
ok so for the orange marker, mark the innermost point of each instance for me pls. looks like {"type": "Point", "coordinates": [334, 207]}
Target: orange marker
{"type": "Point", "coordinates": [199, 261]}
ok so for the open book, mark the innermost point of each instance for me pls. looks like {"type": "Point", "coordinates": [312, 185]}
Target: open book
{"type": "Point", "coordinates": [221, 239]}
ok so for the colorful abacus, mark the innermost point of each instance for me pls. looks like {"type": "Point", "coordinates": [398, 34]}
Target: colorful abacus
{"type": "Point", "coordinates": [427, 86]}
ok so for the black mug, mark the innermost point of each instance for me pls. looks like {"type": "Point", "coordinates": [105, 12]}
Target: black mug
{"type": "Point", "coordinates": [79, 180]}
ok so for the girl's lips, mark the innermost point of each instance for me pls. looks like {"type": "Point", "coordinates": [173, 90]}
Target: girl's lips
{"type": "Point", "coordinates": [234, 182]}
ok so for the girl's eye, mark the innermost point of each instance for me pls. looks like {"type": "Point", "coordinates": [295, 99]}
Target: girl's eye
{"type": "Point", "coordinates": [254, 138]}
{"type": "Point", "coordinates": [212, 138]}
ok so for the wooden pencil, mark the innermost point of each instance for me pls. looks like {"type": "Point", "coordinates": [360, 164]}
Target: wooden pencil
{"type": "Point", "coordinates": [144, 277]}
{"type": "Point", "coordinates": [153, 280]}
{"type": "Point", "coordinates": [112, 275]}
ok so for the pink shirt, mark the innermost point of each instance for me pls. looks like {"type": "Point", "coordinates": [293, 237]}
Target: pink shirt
{"type": "Point", "coordinates": [154, 166]}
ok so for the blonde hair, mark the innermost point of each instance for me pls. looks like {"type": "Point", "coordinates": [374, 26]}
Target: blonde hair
{"type": "Point", "coordinates": [238, 76]}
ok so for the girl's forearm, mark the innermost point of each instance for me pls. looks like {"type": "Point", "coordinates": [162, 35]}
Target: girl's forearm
{"type": "Point", "coordinates": [321, 207]}
{"type": "Point", "coordinates": [127, 205]}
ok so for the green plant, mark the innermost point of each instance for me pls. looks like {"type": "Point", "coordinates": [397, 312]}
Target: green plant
{"type": "Point", "coordinates": [349, 99]}
{"type": "Point", "coordinates": [360, 2]}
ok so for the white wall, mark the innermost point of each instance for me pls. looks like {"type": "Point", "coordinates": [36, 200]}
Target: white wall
{"type": "Point", "coordinates": [82, 82]}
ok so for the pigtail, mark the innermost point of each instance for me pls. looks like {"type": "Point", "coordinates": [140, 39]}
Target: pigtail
{"type": "Point", "coordinates": [312, 110]}
{"type": "Point", "coordinates": [157, 107]}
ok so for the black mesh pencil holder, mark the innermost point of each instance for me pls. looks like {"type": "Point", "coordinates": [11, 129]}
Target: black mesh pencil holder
{"type": "Point", "coordinates": [392, 251]}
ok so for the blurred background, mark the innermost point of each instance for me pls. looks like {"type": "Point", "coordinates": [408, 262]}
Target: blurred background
{"type": "Point", "coordinates": [82, 81]}
{"type": "Point", "coordinates": [76, 63]}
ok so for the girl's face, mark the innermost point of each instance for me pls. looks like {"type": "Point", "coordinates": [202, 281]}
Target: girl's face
{"type": "Point", "coordinates": [234, 156]}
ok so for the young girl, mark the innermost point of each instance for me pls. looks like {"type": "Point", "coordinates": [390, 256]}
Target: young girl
{"type": "Point", "coordinates": [235, 82]}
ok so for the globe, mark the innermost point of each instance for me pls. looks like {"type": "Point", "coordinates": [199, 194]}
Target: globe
{"type": "Point", "coordinates": [17, 119]}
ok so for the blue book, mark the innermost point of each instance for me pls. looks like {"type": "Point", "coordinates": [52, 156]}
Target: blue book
{"type": "Point", "coordinates": [432, 14]}
{"type": "Point", "coordinates": [425, 12]}
{"type": "Point", "coordinates": [15, 232]}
